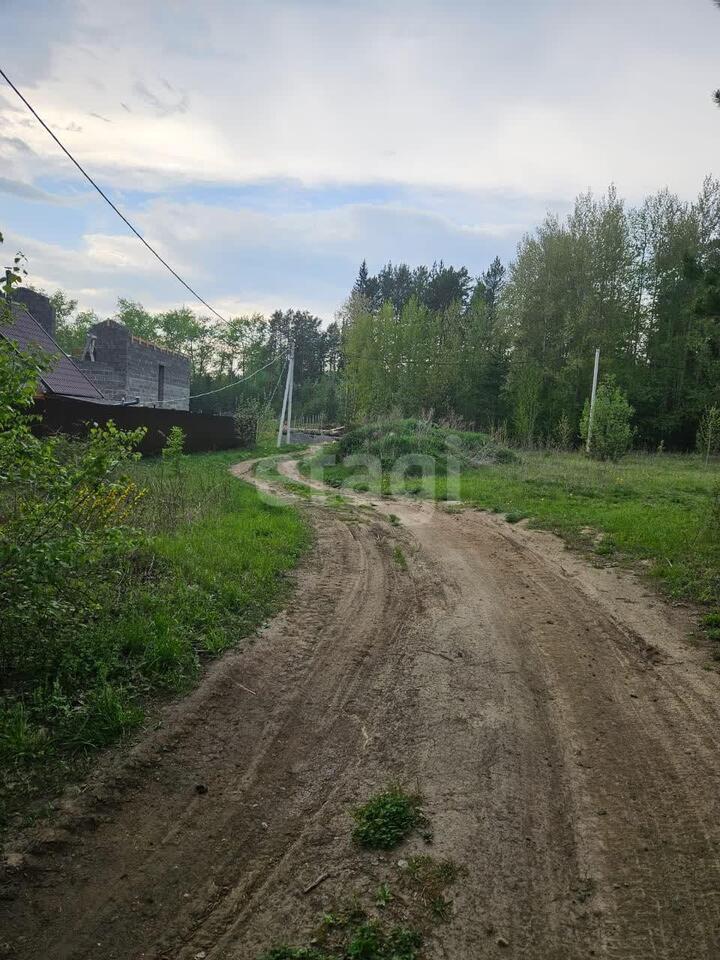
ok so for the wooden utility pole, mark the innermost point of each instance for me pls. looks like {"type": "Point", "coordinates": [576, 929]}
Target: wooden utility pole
{"type": "Point", "coordinates": [592, 400]}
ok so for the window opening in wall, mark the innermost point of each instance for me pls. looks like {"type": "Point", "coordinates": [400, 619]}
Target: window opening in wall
{"type": "Point", "coordinates": [161, 381]}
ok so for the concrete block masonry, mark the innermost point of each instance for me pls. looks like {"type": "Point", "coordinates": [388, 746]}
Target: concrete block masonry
{"type": "Point", "coordinates": [126, 367]}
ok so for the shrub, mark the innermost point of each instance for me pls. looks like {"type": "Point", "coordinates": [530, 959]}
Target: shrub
{"type": "Point", "coordinates": [64, 540]}
{"type": "Point", "coordinates": [612, 432]}
{"type": "Point", "coordinates": [563, 433]}
{"type": "Point", "coordinates": [389, 440]}
{"type": "Point", "coordinates": [708, 435]}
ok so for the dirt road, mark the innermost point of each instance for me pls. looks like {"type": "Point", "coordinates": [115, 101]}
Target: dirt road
{"type": "Point", "coordinates": [560, 727]}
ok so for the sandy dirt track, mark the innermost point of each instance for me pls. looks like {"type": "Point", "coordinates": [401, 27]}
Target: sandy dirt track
{"type": "Point", "coordinates": [561, 728]}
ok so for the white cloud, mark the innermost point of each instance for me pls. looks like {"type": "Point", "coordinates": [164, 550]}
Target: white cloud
{"type": "Point", "coordinates": [297, 259]}
{"type": "Point", "coordinates": [421, 131]}
{"type": "Point", "coordinates": [544, 99]}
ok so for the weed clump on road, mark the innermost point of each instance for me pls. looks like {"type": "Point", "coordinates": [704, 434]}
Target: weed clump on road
{"type": "Point", "coordinates": [355, 937]}
{"type": "Point", "coordinates": [386, 819]}
{"type": "Point", "coordinates": [395, 928]}
{"type": "Point", "coordinates": [400, 558]}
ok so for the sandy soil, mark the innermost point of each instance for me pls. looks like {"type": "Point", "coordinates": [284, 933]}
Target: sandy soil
{"type": "Point", "coordinates": [560, 726]}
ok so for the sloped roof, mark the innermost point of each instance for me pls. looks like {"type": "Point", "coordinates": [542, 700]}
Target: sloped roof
{"type": "Point", "coordinates": [63, 377]}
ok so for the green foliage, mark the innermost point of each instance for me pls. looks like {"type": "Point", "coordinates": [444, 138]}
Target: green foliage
{"type": "Point", "coordinates": [642, 284]}
{"type": "Point", "coordinates": [387, 818]}
{"type": "Point", "coordinates": [172, 452]}
{"type": "Point", "coordinates": [391, 440]}
{"type": "Point", "coordinates": [655, 511]}
{"type": "Point", "coordinates": [63, 512]}
{"type": "Point", "coordinates": [352, 935]}
{"type": "Point", "coordinates": [190, 581]}
{"type": "Point", "coordinates": [383, 895]}
{"type": "Point", "coordinates": [401, 918]}
{"type": "Point", "coordinates": [399, 558]}
{"type": "Point", "coordinates": [415, 457]}
{"type": "Point", "coordinates": [13, 276]}
{"type": "Point", "coordinates": [708, 435]}
{"type": "Point", "coordinates": [611, 434]}
{"type": "Point", "coordinates": [253, 417]}
{"type": "Point", "coordinates": [368, 940]}
{"type": "Point", "coordinates": [563, 434]}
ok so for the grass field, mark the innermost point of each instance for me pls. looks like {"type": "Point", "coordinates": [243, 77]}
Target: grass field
{"type": "Point", "coordinates": [654, 509]}
{"type": "Point", "coordinates": [658, 512]}
{"type": "Point", "coordinates": [210, 566]}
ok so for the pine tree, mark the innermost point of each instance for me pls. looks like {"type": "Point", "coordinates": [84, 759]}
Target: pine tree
{"type": "Point", "coordinates": [361, 284]}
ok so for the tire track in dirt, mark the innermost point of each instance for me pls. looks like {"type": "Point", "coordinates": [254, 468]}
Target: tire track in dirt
{"type": "Point", "coordinates": [556, 721]}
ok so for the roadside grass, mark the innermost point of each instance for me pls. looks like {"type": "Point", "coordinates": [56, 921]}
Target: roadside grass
{"type": "Point", "coordinates": [269, 470]}
{"type": "Point", "coordinates": [209, 566]}
{"type": "Point", "coordinates": [649, 510]}
{"type": "Point", "coordinates": [657, 512]}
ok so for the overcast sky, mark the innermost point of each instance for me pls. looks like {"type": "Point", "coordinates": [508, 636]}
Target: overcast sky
{"type": "Point", "coordinates": [267, 147]}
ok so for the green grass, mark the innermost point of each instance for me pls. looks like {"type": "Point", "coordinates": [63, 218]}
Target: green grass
{"type": "Point", "coordinates": [269, 470]}
{"type": "Point", "coordinates": [396, 924]}
{"type": "Point", "coordinates": [400, 558]}
{"type": "Point", "coordinates": [357, 938]}
{"type": "Point", "coordinates": [387, 818]}
{"type": "Point", "coordinates": [651, 511]}
{"type": "Point", "coordinates": [394, 927]}
{"type": "Point", "coordinates": [211, 567]}
{"type": "Point", "coordinates": [648, 510]}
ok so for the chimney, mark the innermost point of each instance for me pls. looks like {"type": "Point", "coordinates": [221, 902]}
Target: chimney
{"type": "Point", "coordinates": [38, 305]}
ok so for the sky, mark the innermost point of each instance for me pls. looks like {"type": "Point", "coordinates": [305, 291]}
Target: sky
{"type": "Point", "coordinates": [266, 147]}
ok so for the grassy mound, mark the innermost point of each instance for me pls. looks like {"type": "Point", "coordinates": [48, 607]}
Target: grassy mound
{"type": "Point", "coordinates": [404, 456]}
{"type": "Point", "coordinates": [390, 440]}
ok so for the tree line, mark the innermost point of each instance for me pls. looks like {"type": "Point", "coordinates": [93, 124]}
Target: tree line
{"type": "Point", "coordinates": [514, 348]}
{"type": "Point", "coordinates": [222, 353]}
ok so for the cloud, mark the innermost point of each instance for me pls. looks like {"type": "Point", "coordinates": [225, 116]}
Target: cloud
{"type": "Point", "coordinates": [532, 98]}
{"type": "Point", "coordinates": [247, 260]}
{"type": "Point", "coordinates": [162, 107]}
{"type": "Point", "coordinates": [268, 146]}
{"type": "Point", "coordinates": [26, 190]}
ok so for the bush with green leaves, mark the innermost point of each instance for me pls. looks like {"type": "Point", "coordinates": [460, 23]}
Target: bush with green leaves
{"type": "Point", "coordinates": [612, 432]}
{"type": "Point", "coordinates": [708, 435]}
{"type": "Point", "coordinates": [65, 540]}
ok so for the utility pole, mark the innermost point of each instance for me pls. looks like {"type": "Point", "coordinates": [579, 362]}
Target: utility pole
{"type": "Point", "coordinates": [592, 399]}
{"type": "Point", "coordinates": [291, 375]}
{"type": "Point", "coordinates": [288, 394]}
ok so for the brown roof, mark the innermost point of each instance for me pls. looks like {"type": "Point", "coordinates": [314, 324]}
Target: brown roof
{"type": "Point", "coordinates": [63, 377]}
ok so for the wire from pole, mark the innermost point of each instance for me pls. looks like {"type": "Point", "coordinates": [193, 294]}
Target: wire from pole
{"type": "Point", "coordinates": [107, 199]}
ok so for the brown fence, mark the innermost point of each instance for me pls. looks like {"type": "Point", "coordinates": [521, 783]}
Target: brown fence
{"type": "Point", "coordinates": [202, 431]}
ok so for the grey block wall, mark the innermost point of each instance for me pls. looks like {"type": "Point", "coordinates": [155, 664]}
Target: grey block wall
{"type": "Point", "coordinates": [38, 306]}
{"type": "Point", "coordinates": [127, 367]}
{"type": "Point", "coordinates": [144, 362]}
{"type": "Point", "coordinates": [110, 381]}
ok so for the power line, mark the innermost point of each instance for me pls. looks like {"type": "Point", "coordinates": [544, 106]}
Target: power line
{"type": "Point", "coordinates": [107, 199]}
{"type": "Point", "coordinates": [275, 388]}
{"type": "Point", "coordinates": [227, 386]}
